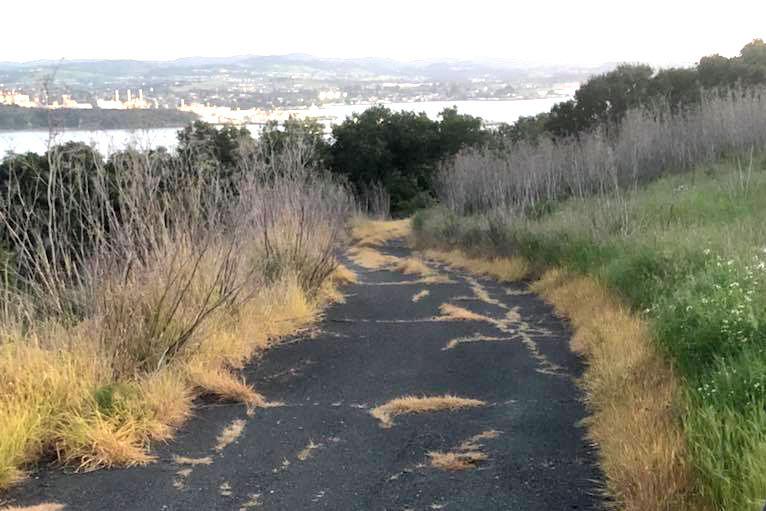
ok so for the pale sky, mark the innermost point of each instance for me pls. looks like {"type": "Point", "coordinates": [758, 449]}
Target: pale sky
{"type": "Point", "coordinates": [574, 30]}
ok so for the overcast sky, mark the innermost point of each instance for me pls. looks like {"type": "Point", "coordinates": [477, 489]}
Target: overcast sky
{"type": "Point", "coordinates": [575, 30]}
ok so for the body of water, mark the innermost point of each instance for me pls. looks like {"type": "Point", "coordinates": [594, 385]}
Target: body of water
{"type": "Point", "coordinates": [108, 141]}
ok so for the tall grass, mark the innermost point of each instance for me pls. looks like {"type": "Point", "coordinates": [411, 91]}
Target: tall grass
{"type": "Point", "coordinates": [131, 288]}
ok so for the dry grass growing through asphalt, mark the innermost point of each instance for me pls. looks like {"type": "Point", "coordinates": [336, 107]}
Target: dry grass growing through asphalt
{"type": "Point", "coordinates": [369, 232]}
{"type": "Point", "coordinates": [48, 506]}
{"type": "Point", "coordinates": [472, 338]}
{"type": "Point", "coordinates": [386, 412]}
{"type": "Point", "coordinates": [451, 312]}
{"type": "Point", "coordinates": [307, 451]}
{"type": "Point", "coordinates": [629, 390]}
{"type": "Point", "coordinates": [456, 460]}
{"type": "Point", "coordinates": [504, 269]}
{"type": "Point", "coordinates": [343, 275]}
{"type": "Point", "coordinates": [414, 266]}
{"type": "Point", "coordinates": [183, 460]}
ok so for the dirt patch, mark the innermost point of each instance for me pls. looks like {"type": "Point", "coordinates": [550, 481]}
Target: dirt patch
{"type": "Point", "coordinates": [386, 412]}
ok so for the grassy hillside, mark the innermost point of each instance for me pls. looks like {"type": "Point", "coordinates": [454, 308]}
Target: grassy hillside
{"type": "Point", "coordinates": [687, 253]}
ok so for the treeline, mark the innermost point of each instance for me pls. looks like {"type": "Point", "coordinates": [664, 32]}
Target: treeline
{"type": "Point", "coordinates": [18, 118]}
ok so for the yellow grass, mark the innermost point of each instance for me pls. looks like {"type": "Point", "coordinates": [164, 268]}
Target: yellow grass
{"type": "Point", "coordinates": [465, 456]}
{"type": "Point", "coordinates": [629, 387]}
{"type": "Point", "coordinates": [183, 460]}
{"type": "Point", "coordinates": [455, 460]}
{"type": "Point", "coordinates": [343, 275]}
{"type": "Point", "coordinates": [47, 506]}
{"type": "Point", "coordinates": [369, 232]}
{"type": "Point", "coordinates": [505, 269]}
{"type": "Point", "coordinates": [230, 434]}
{"type": "Point", "coordinates": [414, 266]}
{"type": "Point", "coordinates": [386, 412]}
{"type": "Point", "coordinates": [452, 343]}
{"type": "Point", "coordinates": [306, 452]}
{"type": "Point", "coordinates": [372, 259]}
{"type": "Point", "coordinates": [456, 313]}
{"type": "Point", "coordinates": [630, 390]}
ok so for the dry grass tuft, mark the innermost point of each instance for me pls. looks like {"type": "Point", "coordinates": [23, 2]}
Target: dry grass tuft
{"type": "Point", "coordinates": [386, 412]}
{"type": "Point", "coordinates": [414, 266]}
{"type": "Point", "coordinates": [456, 460]}
{"type": "Point", "coordinates": [306, 452]}
{"type": "Point", "coordinates": [165, 294]}
{"type": "Point", "coordinates": [183, 460]}
{"type": "Point", "coordinates": [505, 269]}
{"type": "Point", "coordinates": [229, 434]}
{"type": "Point", "coordinates": [477, 337]}
{"type": "Point", "coordinates": [225, 384]}
{"type": "Point", "coordinates": [47, 506]}
{"type": "Point", "coordinates": [253, 500]}
{"type": "Point", "coordinates": [465, 456]}
{"type": "Point", "coordinates": [451, 312]}
{"type": "Point", "coordinates": [474, 442]}
{"type": "Point", "coordinates": [630, 391]}
{"type": "Point", "coordinates": [420, 295]}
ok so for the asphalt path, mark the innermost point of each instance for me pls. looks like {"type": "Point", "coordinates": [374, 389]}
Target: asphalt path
{"type": "Point", "coordinates": [322, 449]}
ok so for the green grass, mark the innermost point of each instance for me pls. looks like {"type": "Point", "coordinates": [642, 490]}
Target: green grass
{"type": "Point", "coordinates": [688, 252]}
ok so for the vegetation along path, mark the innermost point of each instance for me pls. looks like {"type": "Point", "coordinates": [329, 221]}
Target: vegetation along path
{"type": "Point", "coordinates": [427, 389]}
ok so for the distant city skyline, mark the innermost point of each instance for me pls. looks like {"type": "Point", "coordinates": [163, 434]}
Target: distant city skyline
{"type": "Point", "coordinates": [589, 31]}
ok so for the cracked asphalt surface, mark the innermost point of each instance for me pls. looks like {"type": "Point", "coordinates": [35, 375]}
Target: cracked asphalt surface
{"type": "Point", "coordinates": [323, 450]}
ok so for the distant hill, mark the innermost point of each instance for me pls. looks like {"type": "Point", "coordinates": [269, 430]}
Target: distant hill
{"type": "Point", "coordinates": [299, 64]}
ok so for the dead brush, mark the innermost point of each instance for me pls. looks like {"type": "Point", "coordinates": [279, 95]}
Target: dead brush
{"type": "Point", "coordinates": [386, 412]}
